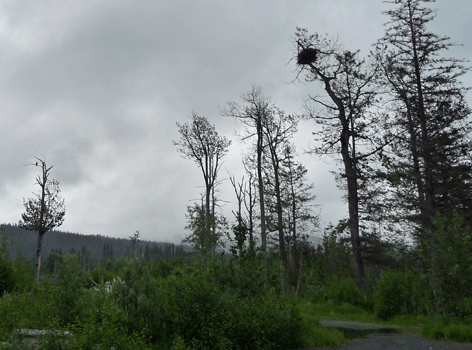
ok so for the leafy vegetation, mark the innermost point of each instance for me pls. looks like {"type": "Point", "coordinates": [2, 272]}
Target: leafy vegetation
{"type": "Point", "coordinates": [199, 305]}
{"type": "Point", "coordinates": [212, 301]}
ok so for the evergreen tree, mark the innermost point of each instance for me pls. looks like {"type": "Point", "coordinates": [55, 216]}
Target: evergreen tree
{"type": "Point", "coordinates": [428, 165]}
{"type": "Point", "coordinates": [204, 239]}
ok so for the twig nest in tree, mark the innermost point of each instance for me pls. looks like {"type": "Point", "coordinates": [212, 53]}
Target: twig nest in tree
{"type": "Point", "coordinates": [306, 56]}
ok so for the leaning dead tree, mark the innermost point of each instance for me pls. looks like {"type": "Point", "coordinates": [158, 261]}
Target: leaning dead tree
{"type": "Point", "coordinates": [346, 127]}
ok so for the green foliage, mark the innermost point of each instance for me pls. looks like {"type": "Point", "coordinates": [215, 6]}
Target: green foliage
{"type": "Point", "coordinates": [211, 302]}
{"type": "Point", "coordinates": [207, 230]}
{"type": "Point", "coordinates": [106, 335]}
{"type": "Point", "coordinates": [7, 276]}
{"type": "Point", "coordinates": [250, 273]}
{"type": "Point", "coordinates": [319, 336]}
{"type": "Point", "coordinates": [332, 259]}
{"type": "Point", "coordinates": [101, 274]}
{"type": "Point", "coordinates": [24, 273]}
{"type": "Point", "coordinates": [161, 268]}
{"type": "Point", "coordinates": [448, 255]}
{"type": "Point", "coordinates": [72, 280]}
{"type": "Point", "coordinates": [459, 332]}
{"type": "Point", "coordinates": [51, 263]}
{"type": "Point", "coordinates": [399, 293]}
{"type": "Point", "coordinates": [33, 309]}
{"type": "Point", "coordinates": [4, 243]}
{"type": "Point", "coordinates": [345, 291]}
{"type": "Point", "coordinates": [41, 217]}
{"type": "Point", "coordinates": [51, 341]}
{"type": "Point", "coordinates": [439, 327]}
{"type": "Point", "coordinates": [339, 291]}
{"type": "Point", "coordinates": [313, 334]}
{"type": "Point", "coordinates": [134, 240]}
{"type": "Point", "coordinates": [193, 307]}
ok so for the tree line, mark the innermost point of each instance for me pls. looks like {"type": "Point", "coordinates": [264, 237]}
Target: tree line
{"type": "Point", "coordinates": [396, 119]}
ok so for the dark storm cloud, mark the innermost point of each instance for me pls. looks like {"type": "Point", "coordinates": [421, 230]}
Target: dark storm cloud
{"type": "Point", "coordinates": [96, 87]}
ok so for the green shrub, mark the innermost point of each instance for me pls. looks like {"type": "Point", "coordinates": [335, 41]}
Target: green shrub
{"type": "Point", "coordinates": [106, 335]}
{"type": "Point", "coordinates": [11, 309]}
{"type": "Point", "coordinates": [439, 327]}
{"type": "Point", "coordinates": [189, 309]}
{"type": "Point", "coordinates": [24, 273]}
{"type": "Point", "coordinates": [434, 327]}
{"type": "Point", "coordinates": [459, 332]}
{"type": "Point", "coordinates": [72, 281]}
{"type": "Point", "coordinates": [340, 291]}
{"type": "Point", "coordinates": [313, 333]}
{"type": "Point", "coordinates": [398, 293]}
{"type": "Point", "coordinates": [101, 274]}
{"type": "Point", "coordinates": [161, 268]}
{"type": "Point", "coordinates": [7, 276]}
{"type": "Point", "coordinates": [322, 336]}
{"type": "Point", "coordinates": [345, 291]}
{"type": "Point", "coordinates": [247, 274]}
{"type": "Point", "coordinates": [27, 309]}
{"type": "Point", "coordinates": [447, 256]}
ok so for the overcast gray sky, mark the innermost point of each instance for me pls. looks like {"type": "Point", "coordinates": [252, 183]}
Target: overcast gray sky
{"type": "Point", "coordinates": [95, 88]}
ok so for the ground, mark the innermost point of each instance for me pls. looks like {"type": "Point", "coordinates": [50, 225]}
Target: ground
{"type": "Point", "coordinates": [382, 338]}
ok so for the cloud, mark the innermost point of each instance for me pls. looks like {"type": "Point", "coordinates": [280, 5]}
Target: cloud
{"type": "Point", "coordinates": [95, 88]}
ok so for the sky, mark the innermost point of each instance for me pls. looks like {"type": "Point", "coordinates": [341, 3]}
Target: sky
{"type": "Point", "coordinates": [95, 88]}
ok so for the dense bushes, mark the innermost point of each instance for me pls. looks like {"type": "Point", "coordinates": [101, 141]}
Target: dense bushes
{"type": "Point", "coordinates": [160, 304]}
{"type": "Point", "coordinates": [448, 258]}
{"type": "Point", "coordinates": [221, 302]}
{"type": "Point", "coordinates": [192, 307]}
{"type": "Point", "coordinates": [446, 328]}
{"type": "Point", "coordinates": [7, 278]}
{"type": "Point", "coordinates": [399, 293]}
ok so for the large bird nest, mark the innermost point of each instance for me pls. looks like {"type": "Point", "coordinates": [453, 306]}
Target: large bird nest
{"type": "Point", "coordinates": [307, 56]}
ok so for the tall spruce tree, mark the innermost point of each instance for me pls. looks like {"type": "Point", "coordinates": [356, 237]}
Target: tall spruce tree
{"type": "Point", "coordinates": [428, 164]}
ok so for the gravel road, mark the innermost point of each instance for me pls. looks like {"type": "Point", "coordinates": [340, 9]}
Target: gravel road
{"type": "Point", "coordinates": [387, 341]}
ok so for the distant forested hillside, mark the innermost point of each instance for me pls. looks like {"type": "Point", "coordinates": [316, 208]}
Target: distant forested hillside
{"type": "Point", "coordinates": [95, 247]}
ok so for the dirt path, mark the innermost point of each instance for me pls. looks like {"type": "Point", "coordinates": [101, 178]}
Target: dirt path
{"type": "Point", "coordinates": [327, 322]}
{"type": "Point", "coordinates": [389, 340]}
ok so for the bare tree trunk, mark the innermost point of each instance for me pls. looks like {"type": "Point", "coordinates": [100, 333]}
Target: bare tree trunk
{"type": "Point", "coordinates": [280, 227]}
{"type": "Point", "coordinates": [353, 206]}
{"type": "Point", "coordinates": [349, 161]}
{"type": "Point", "coordinates": [42, 212]}
{"type": "Point", "coordinates": [427, 220]}
{"type": "Point", "coordinates": [260, 180]}
{"type": "Point", "coordinates": [37, 265]}
{"type": "Point", "coordinates": [250, 209]}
